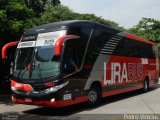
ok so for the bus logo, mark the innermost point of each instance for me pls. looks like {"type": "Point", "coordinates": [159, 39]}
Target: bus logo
{"type": "Point", "coordinates": [48, 42]}
{"type": "Point", "coordinates": [121, 73]}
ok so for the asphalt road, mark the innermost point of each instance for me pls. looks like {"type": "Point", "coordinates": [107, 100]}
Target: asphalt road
{"type": "Point", "coordinates": [134, 102]}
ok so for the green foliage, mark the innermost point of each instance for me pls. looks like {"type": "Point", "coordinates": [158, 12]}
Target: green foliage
{"type": "Point", "coordinates": [2, 19]}
{"type": "Point", "coordinates": [61, 13]}
{"type": "Point", "coordinates": [94, 18]}
{"type": "Point", "coordinates": [57, 13]}
{"type": "Point", "coordinates": [147, 28]}
{"type": "Point", "coordinates": [13, 16]}
{"type": "Point", "coordinates": [38, 6]}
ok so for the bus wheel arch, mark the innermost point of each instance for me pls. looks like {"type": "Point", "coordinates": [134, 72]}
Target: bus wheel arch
{"type": "Point", "coordinates": [94, 94]}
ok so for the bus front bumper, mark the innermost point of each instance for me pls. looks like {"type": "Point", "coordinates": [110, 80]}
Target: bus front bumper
{"type": "Point", "coordinates": [51, 103]}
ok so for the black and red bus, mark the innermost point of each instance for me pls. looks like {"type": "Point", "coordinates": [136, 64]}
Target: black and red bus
{"type": "Point", "coordinates": [65, 63]}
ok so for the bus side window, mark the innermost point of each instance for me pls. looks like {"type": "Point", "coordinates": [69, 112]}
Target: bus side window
{"type": "Point", "coordinates": [71, 56]}
{"type": "Point", "coordinates": [98, 40]}
{"type": "Point", "coordinates": [81, 43]}
{"type": "Point", "coordinates": [122, 48]}
{"type": "Point", "coordinates": [70, 60]}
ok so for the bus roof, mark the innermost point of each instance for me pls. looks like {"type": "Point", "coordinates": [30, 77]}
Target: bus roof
{"type": "Point", "coordinates": [66, 24]}
{"type": "Point", "coordinates": [71, 23]}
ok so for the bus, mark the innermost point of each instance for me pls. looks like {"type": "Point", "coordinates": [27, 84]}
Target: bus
{"type": "Point", "coordinates": [65, 63]}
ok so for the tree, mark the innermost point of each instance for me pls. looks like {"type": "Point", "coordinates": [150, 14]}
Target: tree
{"type": "Point", "coordinates": [57, 13]}
{"type": "Point", "coordinates": [13, 16]}
{"type": "Point", "coordinates": [53, 2]}
{"type": "Point", "coordinates": [101, 20]}
{"type": "Point", "coordinates": [147, 28]}
{"type": "Point", "coordinates": [62, 13]}
{"type": "Point", "coordinates": [39, 5]}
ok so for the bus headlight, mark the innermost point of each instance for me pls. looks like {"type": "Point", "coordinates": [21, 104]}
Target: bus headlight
{"type": "Point", "coordinates": [53, 99]}
{"type": "Point", "coordinates": [56, 88]}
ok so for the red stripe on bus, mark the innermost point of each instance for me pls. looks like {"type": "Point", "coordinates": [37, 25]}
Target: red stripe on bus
{"type": "Point", "coordinates": [114, 92]}
{"type": "Point", "coordinates": [130, 36]}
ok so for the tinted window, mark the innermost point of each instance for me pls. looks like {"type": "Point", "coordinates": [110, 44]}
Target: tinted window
{"type": "Point", "coordinates": [81, 43]}
{"type": "Point", "coordinates": [98, 40]}
{"type": "Point", "coordinates": [132, 48]}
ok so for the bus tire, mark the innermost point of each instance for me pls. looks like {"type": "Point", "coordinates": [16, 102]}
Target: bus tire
{"type": "Point", "coordinates": [94, 96]}
{"type": "Point", "coordinates": [145, 85]}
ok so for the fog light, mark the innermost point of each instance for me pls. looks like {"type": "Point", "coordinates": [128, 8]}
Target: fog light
{"type": "Point", "coordinates": [53, 99]}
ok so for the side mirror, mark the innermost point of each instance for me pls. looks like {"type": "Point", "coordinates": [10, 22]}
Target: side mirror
{"type": "Point", "coordinates": [60, 41]}
{"type": "Point", "coordinates": [6, 46]}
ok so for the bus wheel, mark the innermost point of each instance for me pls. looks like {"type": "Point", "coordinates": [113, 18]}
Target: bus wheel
{"type": "Point", "coordinates": [145, 85]}
{"type": "Point", "coordinates": [94, 96]}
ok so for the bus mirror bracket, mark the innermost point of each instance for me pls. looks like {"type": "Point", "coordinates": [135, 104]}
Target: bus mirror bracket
{"type": "Point", "coordinates": [60, 41]}
{"type": "Point", "coordinates": [6, 46]}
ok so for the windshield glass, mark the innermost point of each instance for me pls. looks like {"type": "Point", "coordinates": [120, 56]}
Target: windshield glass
{"type": "Point", "coordinates": [38, 61]}
{"type": "Point", "coordinates": [42, 65]}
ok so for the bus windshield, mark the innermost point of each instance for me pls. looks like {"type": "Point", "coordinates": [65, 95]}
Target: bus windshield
{"type": "Point", "coordinates": [36, 59]}
{"type": "Point", "coordinates": [36, 63]}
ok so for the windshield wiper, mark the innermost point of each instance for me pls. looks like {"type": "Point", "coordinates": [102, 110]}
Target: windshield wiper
{"type": "Point", "coordinates": [35, 66]}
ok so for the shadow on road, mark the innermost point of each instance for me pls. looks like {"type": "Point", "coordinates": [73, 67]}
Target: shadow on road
{"type": "Point", "coordinates": [71, 110]}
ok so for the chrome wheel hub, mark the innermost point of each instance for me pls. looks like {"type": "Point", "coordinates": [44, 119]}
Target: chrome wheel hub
{"type": "Point", "coordinates": [92, 96]}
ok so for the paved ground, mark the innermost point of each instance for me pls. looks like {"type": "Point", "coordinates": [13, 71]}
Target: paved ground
{"type": "Point", "coordinates": [128, 103]}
